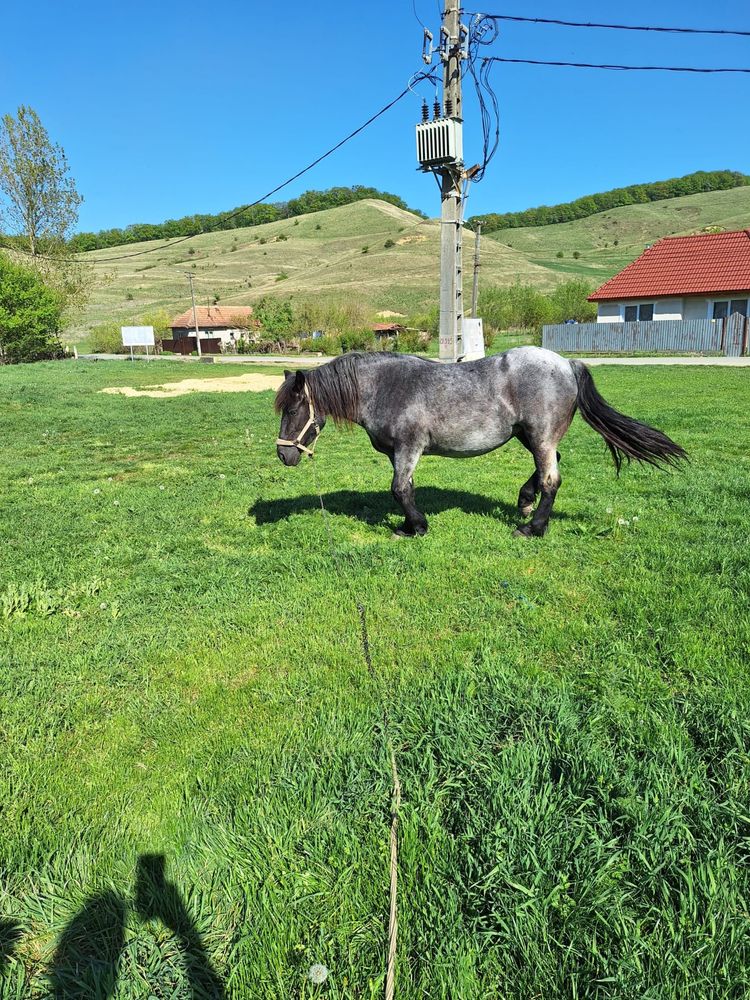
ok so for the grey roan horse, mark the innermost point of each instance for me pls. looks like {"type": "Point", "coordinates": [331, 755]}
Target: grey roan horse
{"type": "Point", "coordinates": [411, 407]}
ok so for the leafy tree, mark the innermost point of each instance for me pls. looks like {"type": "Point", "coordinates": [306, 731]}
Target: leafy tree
{"type": "Point", "coordinates": [275, 316]}
{"type": "Point", "coordinates": [39, 197]}
{"type": "Point", "coordinates": [30, 315]}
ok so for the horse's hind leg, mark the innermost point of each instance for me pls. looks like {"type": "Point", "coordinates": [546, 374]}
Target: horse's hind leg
{"type": "Point", "coordinates": [548, 479]}
{"type": "Point", "coordinates": [402, 488]}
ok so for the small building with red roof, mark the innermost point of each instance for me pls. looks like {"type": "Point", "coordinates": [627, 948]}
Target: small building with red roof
{"type": "Point", "coordinates": [224, 323]}
{"type": "Point", "coordinates": [681, 278]}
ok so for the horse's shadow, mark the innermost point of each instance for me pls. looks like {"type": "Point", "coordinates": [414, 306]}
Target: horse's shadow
{"type": "Point", "coordinates": [376, 507]}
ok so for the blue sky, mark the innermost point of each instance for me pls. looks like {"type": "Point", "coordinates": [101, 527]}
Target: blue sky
{"type": "Point", "coordinates": [168, 108]}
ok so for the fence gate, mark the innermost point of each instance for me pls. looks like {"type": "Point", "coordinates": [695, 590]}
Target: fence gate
{"type": "Point", "coordinates": [735, 335]}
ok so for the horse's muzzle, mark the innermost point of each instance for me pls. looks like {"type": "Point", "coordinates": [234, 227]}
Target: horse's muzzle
{"type": "Point", "coordinates": [289, 456]}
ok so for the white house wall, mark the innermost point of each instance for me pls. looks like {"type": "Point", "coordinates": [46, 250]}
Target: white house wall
{"type": "Point", "coordinates": [690, 307]}
{"type": "Point", "coordinates": [696, 307]}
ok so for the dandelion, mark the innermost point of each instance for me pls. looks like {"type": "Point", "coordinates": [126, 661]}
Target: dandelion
{"type": "Point", "coordinates": [31, 480]}
{"type": "Point", "coordinates": [116, 503]}
{"type": "Point", "coordinates": [609, 510]}
{"type": "Point", "coordinates": [97, 491]}
{"type": "Point", "coordinates": [103, 606]}
{"type": "Point", "coordinates": [621, 521]}
{"type": "Point", "coordinates": [110, 479]}
{"type": "Point", "coordinates": [317, 974]}
{"type": "Point", "coordinates": [635, 517]}
{"type": "Point", "coordinates": [162, 487]}
{"type": "Point", "coordinates": [222, 476]}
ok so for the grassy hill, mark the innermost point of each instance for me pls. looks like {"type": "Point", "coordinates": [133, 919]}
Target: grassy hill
{"type": "Point", "coordinates": [335, 253]}
{"type": "Point", "coordinates": [384, 257]}
{"type": "Point", "coordinates": [609, 240]}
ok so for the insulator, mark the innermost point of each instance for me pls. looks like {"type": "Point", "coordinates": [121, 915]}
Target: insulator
{"type": "Point", "coordinates": [448, 107]}
{"type": "Point", "coordinates": [436, 110]}
{"type": "Point", "coordinates": [425, 112]}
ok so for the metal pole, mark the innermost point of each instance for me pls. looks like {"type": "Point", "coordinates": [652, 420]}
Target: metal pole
{"type": "Point", "coordinates": [475, 288]}
{"type": "Point", "coordinates": [451, 235]}
{"type": "Point", "coordinates": [189, 276]}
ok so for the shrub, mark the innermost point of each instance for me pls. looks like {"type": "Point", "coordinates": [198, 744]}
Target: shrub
{"type": "Point", "coordinates": [389, 243]}
{"type": "Point", "coordinates": [559, 254]}
{"type": "Point", "coordinates": [576, 255]}
{"type": "Point", "coordinates": [282, 276]}
{"type": "Point", "coordinates": [408, 341]}
{"type": "Point", "coordinates": [282, 238]}
{"type": "Point", "coordinates": [191, 250]}
{"type": "Point", "coordinates": [358, 340]}
{"type": "Point", "coordinates": [365, 249]}
{"type": "Point", "coordinates": [275, 316]}
{"type": "Point", "coordinates": [318, 226]}
{"type": "Point", "coordinates": [262, 241]}
{"type": "Point", "coordinates": [30, 316]}
{"type": "Point", "coordinates": [106, 338]}
{"type": "Point", "coordinates": [129, 296]}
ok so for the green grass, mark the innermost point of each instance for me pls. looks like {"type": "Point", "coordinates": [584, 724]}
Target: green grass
{"type": "Point", "coordinates": [633, 227]}
{"type": "Point", "coordinates": [182, 675]}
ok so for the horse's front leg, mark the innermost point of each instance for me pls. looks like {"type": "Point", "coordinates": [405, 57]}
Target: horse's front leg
{"type": "Point", "coordinates": [402, 487]}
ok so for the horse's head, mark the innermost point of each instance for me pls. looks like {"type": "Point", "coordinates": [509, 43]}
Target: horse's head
{"type": "Point", "coordinates": [299, 424]}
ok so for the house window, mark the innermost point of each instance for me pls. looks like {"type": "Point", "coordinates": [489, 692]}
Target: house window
{"type": "Point", "coordinates": [727, 307]}
{"type": "Point", "coordinates": [643, 313]}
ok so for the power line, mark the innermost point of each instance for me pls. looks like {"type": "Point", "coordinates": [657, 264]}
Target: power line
{"type": "Point", "coordinates": [139, 253]}
{"type": "Point", "coordinates": [581, 65]}
{"type": "Point", "coordinates": [619, 27]}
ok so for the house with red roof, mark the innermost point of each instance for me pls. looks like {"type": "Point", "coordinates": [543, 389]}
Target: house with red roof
{"type": "Point", "coordinates": [224, 323]}
{"type": "Point", "coordinates": [681, 278]}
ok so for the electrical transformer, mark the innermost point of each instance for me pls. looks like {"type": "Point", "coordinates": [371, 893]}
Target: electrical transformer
{"type": "Point", "coordinates": [439, 143]}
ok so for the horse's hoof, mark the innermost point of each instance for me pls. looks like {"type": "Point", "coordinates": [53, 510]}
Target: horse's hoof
{"type": "Point", "coordinates": [523, 532]}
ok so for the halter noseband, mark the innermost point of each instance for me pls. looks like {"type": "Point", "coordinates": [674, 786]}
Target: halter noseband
{"type": "Point", "coordinates": [297, 443]}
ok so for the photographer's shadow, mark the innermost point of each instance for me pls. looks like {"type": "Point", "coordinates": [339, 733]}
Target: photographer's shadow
{"type": "Point", "coordinates": [86, 964]}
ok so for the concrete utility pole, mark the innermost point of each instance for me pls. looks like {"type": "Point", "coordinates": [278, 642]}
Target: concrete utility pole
{"type": "Point", "coordinates": [189, 276]}
{"type": "Point", "coordinates": [475, 288]}
{"type": "Point", "coordinates": [451, 221]}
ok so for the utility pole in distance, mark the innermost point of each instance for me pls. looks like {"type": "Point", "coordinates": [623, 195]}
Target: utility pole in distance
{"type": "Point", "coordinates": [440, 150]}
{"type": "Point", "coordinates": [475, 287]}
{"type": "Point", "coordinates": [189, 276]}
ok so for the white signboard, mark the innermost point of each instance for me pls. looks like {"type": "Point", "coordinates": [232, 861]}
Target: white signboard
{"type": "Point", "coordinates": [137, 336]}
{"type": "Point", "coordinates": [473, 338]}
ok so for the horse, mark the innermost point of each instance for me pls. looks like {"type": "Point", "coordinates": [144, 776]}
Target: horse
{"type": "Point", "coordinates": [411, 406]}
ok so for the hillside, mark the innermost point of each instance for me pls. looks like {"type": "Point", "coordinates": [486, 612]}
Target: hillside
{"type": "Point", "coordinates": [314, 255]}
{"type": "Point", "coordinates": [320, 255]}
{"type": "Point", "coordinates": [609, 240]}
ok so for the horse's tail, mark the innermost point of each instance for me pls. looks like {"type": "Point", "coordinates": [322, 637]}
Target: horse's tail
{"type": "Point", "coordinates": [626, 438]}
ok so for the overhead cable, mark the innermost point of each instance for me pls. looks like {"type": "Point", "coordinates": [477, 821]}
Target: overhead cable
{"type": "Point", "coordinates": [139, 253]}
{"type": "Point", "coordinates": [620, 27]}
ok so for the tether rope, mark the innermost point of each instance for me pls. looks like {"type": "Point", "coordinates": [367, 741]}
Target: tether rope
{"type": "Point", "coordinates": [390, 974]}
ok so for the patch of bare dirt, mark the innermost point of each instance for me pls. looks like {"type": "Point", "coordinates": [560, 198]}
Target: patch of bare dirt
{"type": "Point", "coordinates": [252, 382]}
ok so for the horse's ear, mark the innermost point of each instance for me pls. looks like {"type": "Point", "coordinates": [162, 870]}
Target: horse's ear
{"type": "Point", "coordinates": [287, 373]}
{"type": "Point", "coordinates": [299, 381]}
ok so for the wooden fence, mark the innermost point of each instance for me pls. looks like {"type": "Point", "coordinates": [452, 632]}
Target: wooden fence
{"type": "Point", "coordinates": [666, 336]}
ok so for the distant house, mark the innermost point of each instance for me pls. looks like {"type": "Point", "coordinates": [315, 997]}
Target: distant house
{"type": "Point", "coordinates": [223, 323]}
{"type": "Point", "coordinates": [387, 329]}
{"type": "Point", "coordinates": [681, 278]}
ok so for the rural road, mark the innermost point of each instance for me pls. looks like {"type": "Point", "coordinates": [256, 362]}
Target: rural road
{"type": "Point", "coordinates": [266, 359]}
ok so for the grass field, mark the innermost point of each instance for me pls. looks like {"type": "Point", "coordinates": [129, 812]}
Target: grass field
{"type": "Point", "coordinates": [182, 679]}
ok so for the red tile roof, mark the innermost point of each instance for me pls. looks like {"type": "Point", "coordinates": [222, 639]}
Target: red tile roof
{"type": "Point", "coordinates": [684, 265]}
{"type": "Point", "coordinates": [210, 317]}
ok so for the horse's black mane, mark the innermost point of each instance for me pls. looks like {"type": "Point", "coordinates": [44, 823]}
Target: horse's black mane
{"type": "Point", "coordinates": [334, 388]}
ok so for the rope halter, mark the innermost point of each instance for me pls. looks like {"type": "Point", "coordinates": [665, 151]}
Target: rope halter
{"type": "Point", "coordinates": [311, 421]}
